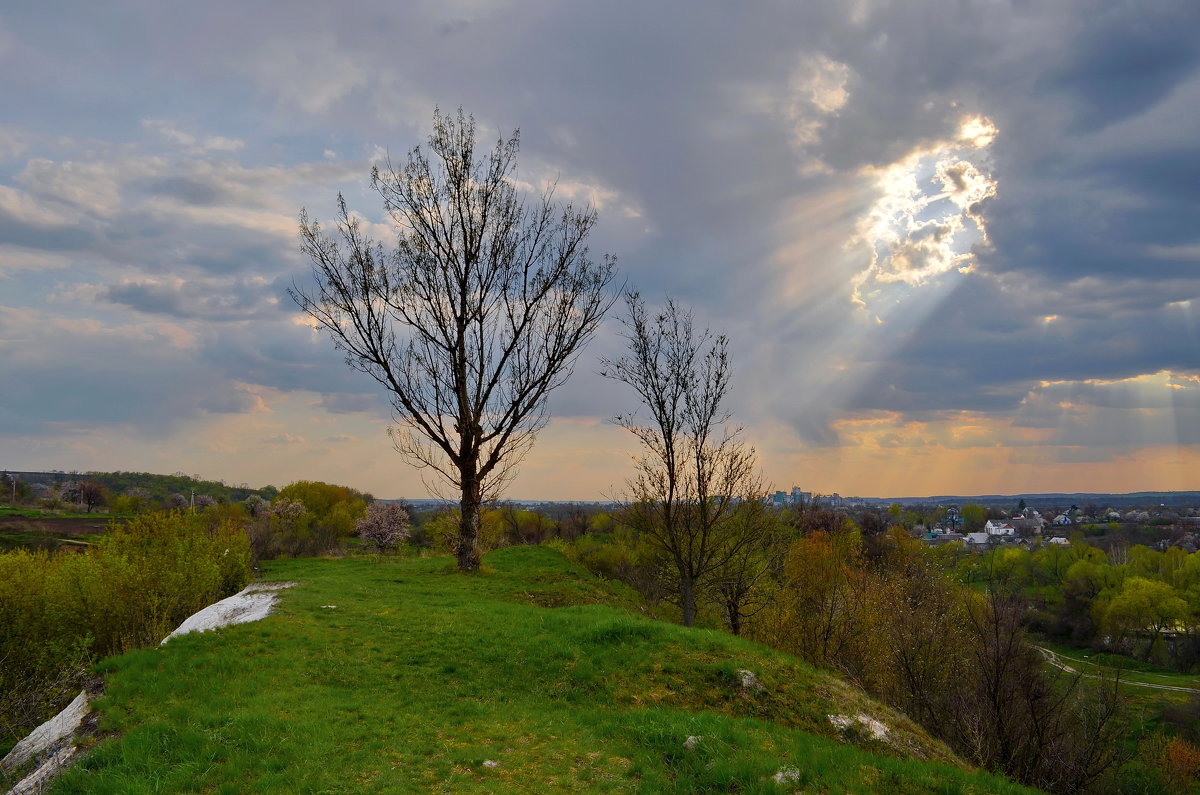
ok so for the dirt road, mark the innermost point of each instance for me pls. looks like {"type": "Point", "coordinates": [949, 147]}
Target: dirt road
{"type": "Point", "coordinates": [1058, 661]}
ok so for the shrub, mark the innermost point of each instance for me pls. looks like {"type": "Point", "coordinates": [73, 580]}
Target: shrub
{"type": "Point", "coordinates": [1181, 763]}
{"type": "Point", "coordinates": [130, 588]}
{"type": "Point", "coordinates": [385, 526]}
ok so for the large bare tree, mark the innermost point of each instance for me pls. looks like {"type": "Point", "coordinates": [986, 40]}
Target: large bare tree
{"type": "Point", "coordinates": [475, 315]}
{"type": "Point", "coordinates": [696, 492]}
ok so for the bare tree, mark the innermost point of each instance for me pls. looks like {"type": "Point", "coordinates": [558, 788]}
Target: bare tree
{"type": "Point", "coordinates": [475, 316]}
{"type": "Point", "coordinates": [92, 494]}
{"type": "Point", "coordinates": [696, 489]}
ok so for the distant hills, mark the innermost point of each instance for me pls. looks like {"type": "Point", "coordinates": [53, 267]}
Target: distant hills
{"type": "Point", "coordinates": [161, 487]}
{"type": "Point", "coordinates": [1168, 498]}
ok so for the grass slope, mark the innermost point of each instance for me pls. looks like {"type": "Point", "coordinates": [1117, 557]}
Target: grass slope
{"type": "Point", "coordinates": [402, 676]}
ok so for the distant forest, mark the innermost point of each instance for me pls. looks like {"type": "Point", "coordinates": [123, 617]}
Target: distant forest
{"type": "Point", "coordinates": [156, 487]}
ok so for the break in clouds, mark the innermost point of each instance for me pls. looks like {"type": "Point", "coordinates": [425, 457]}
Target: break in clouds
{"type": "Point", "coordinates": [911, 221]}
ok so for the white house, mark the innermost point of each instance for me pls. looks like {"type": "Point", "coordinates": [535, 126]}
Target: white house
{"type": "Point", "coordinates": [998, 528]}
{"type": "Point", "coordinates": [1058, 540]}
{"type": "Point", "coordinates": [977, 538]}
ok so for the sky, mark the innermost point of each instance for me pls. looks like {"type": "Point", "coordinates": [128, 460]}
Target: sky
{"type": "Point", "coordinates": [954, 246]}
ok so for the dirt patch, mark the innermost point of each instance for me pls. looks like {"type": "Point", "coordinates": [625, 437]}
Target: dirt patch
{"type": "Point", "coordinates": [68, 534]}
{"type": "Point", "coordinates": [58, 525]}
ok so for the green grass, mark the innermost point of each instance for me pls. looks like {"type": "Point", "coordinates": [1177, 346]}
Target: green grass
{"type": "Point", "coordinates": [418, 675]}
{"type": "Point", "coordinates": [11, 512]}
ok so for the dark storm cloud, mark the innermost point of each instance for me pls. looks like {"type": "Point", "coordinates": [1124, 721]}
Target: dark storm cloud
{"type": "Point", "coordinates": [1018, 340]}
{"type": "Point", "coordinates": [236, 299]}
{"type": "Point", "coordinates": [188, 190]}
{"type": "Point", "coordinates": [355, 403]}
{"type": "Point", "coordinates": [281, 355]}
{"type": "Point", "coordinates": [1125, 60]}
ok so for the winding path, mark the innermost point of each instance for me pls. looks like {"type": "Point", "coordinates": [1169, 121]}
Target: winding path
{"type": "Point", "coordinates": [1056, 660]}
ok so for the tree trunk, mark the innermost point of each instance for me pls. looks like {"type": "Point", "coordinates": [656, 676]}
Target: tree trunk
{"type": "Point", "coordinates": [687, 599]}
{"type": "Point", "coordinates": [468, 528]}
{"type": "Point", "coordinates": [735, 616]}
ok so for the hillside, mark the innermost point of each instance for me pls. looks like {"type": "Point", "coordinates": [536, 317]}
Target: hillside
{"type": "Point", "coordinates": [401, 675]}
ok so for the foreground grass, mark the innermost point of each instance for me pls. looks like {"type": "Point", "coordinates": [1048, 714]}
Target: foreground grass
{"type": "Point", "coordinates": [401, 676]}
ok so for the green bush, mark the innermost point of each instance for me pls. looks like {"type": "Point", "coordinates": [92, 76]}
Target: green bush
{"type": "Point", "coordinates": [58, 612]}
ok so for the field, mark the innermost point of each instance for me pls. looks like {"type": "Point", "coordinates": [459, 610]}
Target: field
{"type": "Point", "coordinates": [39, 530]}
{"type": "Point", "coordinates": [399, 675]}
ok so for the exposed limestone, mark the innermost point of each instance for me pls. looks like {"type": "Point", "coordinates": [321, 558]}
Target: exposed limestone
{"type": "Point", "coordinates": [786, 775]}
{"type": "Point", "coordinates": [750, 681]}
{"type": "Point", "coordinates": [875, 729]}
{"type": "Point", "coordinates": [691, 742]}
{"type": "Point", "coordinates": [39, 779]}
{"type": "Point", "coordinates": [253, 603]}
{"type": "Point", "coordinates": [53, 732]}
{"type": "Point", "coordinates": [56, 735]}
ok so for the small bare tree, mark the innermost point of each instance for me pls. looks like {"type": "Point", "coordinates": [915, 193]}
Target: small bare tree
{"type": "Point", "coordinates": [696, 492]}
{"type": "Point", "coordinates": [475, 316]}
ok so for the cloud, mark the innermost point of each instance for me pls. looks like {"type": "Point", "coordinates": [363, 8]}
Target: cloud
{"type": "Point", "coordinates": [353, 403]}
{"type": "Point", "coordinates": [928, 216]}
{"type": "Point", "coordinates": [235, 299]}
{"type": "Point", "coordinates": [817, 88]}
{"type": "Point", "coordinates": [189, 142]}
{"type": "Point", "coordinates": [283, 438]}
{"type": "Point", "coordinates": [1009, 190]}
{"type": "Point", "coordinates": [309, 71]}
{"type": "Point", "coordinates": [65, 373]}
{"type": "Point", "coordinates": [1125, 60]}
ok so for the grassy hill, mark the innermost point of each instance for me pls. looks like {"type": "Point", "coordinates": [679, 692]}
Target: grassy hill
{"type": "Point", "coordinates": [402, 676]}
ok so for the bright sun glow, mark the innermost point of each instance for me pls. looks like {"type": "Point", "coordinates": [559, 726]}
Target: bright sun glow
{"type": "Point", "coordinates": [927, 217]}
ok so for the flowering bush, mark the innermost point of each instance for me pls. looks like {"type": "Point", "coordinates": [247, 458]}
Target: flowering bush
{"type": "Point", "coordinates": [385, 525]}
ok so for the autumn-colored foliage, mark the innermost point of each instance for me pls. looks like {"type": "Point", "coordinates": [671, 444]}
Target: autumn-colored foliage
{"type": "Point", "coordinates": [1181, 763]}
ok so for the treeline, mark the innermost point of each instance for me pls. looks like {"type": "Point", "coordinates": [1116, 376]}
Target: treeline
{"type": "Point", "coordinates": [161, 488]}
{"type": "Point", "coordinates": [1132, 600]}
{"type": "Point", "coordinates": [122, 492]}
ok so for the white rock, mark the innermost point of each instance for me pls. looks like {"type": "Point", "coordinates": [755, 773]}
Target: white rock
{"type": "Point", "coordinates": [875, 729]}
{"type": "Point", "coordinates": [691, 742]}
{"type": "Point", "coordinates": [36, 781]}
{"type": "Point", "coordinates": [841, 722]}
{"type": "Point", "coordinates": [49, 734]}
{"type": "Point", "coordinates": [786, 775]}
{"type": "Point", "coordinates": [254, 603]}
{"type": "Point", "coordinates": [750, 680]}
{"type": "Point", "coordinates": [490, 763]}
